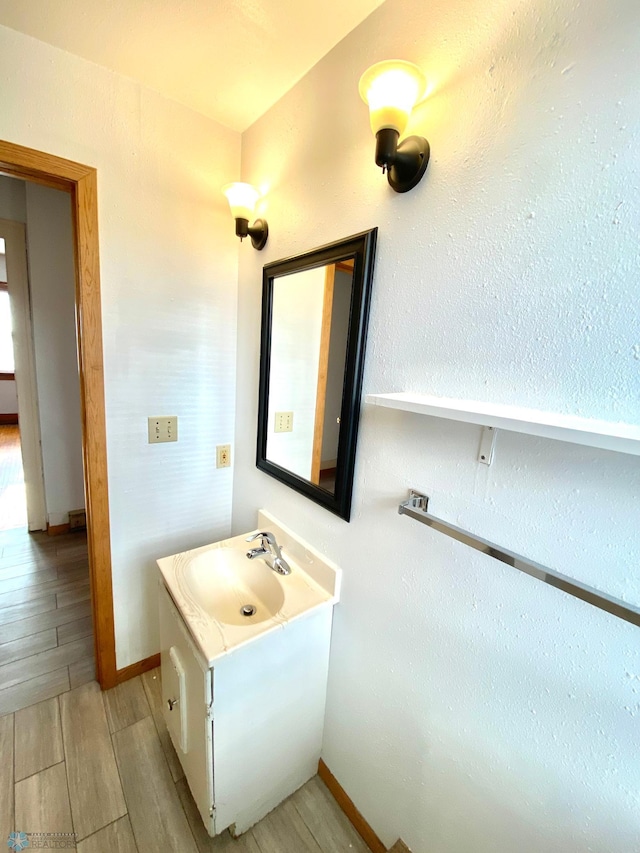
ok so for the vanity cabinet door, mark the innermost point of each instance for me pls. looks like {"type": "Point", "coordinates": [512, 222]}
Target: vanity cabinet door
{"type": "Point", "coordinates": [174, 696]}
{"type": "Point", "coordinates": [186, 677]}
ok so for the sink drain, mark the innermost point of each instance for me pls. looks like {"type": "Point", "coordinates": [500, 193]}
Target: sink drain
{"type": "Point", "coordinates": [248, 610]}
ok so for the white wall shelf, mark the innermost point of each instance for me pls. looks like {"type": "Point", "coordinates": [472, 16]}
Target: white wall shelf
{"type": "Point", "coordinates": [605, 435]}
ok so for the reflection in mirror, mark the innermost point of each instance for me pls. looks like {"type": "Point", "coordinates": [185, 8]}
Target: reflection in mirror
{"type": "Point", "coordinates": [310, 325]}
{"type": "Point", "coordinates": [314, 319]}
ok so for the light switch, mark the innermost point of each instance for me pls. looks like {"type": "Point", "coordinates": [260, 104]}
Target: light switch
{"type": "Point", "coordinates": [163, 429]}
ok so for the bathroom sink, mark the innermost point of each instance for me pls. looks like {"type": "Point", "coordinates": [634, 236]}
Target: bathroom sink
{"type": "Point", "coordinates": [227, 600]}
{"type": "Point", "coordinates": [234, 589]}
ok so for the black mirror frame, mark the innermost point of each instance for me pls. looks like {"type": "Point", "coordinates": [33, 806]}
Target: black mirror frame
{"type": "Point", "coordinates": [361, 247]}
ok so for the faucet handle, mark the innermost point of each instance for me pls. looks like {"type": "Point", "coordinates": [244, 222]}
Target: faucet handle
{"type": "Point", "coordinates": [265, 536]}
{"type": "Point", "coordinates": [270, 548]}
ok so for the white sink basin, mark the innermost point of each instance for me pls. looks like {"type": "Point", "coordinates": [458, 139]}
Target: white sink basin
{"type": "Point", "coordinates": [211, 585]}
{"type": "Point", "coordinates": [224, 581]}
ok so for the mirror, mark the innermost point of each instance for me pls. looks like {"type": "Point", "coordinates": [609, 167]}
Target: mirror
{"type": "Point", "coordinates": [315, 309]}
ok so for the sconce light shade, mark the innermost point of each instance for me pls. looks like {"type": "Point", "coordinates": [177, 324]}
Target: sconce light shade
{"type": "Point", "coordinates": [242, 200]}
{"type": "Point", "coordinates": [392, 89]}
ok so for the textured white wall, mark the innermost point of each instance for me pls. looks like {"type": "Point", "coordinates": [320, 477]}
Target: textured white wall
{"type": "Point", "coordinates": [471, 707]}
{"type": "Point", "coordinates": [13, 199]}
{"type": "Point", "coordinates": [52, 287]}
{"type": "Point", "coordinates": [168, 268]}
{"type": "Point", "coordinates": [8, 397]}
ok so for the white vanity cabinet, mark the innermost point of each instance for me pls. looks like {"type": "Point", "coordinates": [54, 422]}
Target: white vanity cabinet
{"type": "Point", "coordinates": [187, 692]}
{"type": "Point", "coordinates": [248, 728]}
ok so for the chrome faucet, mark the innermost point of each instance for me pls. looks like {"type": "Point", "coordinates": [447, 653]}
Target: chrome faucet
{"type": "Point", "coordinates": [270, 550]}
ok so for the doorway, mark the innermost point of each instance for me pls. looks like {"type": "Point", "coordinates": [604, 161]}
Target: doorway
{"type": "Point", "coordinates": [46, 630]}
{"type": "Point", "coordinates": [81, 183]}
{"type": "Point", "coordinates": [13, 503]}
{"type": "Point", "coordinates": [20, 384]}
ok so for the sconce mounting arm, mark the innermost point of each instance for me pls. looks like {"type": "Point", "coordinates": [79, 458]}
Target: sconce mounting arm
{"type": "Point", "coordinates": [259, 231]}
{"type": "Point", "coordinates": [405, 163]}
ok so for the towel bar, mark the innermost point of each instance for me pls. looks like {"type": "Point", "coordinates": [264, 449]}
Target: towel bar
{"type": "Point", "coordinates": [416, 507]}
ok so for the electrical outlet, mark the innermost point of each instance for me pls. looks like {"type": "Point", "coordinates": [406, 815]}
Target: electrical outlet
{"type": "Point", "coordinates": [77, 519]}
{"type": "Point", "coordinates": [223, 456]}
{"type": "Point", "coordinates": [163, 429]}
{"type": "Point", "coordinates": [284, 422]}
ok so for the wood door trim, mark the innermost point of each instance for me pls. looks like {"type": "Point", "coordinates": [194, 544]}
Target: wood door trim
{"type": "Point", "coordinates": [32, 165]}
{"type": "Point", "coordinates": [81, 182]}
{"type": "Point", "coordinates": [323, 370]}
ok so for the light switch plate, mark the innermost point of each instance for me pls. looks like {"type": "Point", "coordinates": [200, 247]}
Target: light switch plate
{"type": "Point", "coordinates": [223, 456]}
{"type": "Point", "coordinates": [284, 422]}
{"type": "Point", "coordinates": [163, 429]}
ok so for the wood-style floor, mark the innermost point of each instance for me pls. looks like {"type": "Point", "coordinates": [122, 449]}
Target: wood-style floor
{"type": "Point", "coordinates": [101, 767]}
{"type": "Point", "coordinates": [46, 633]}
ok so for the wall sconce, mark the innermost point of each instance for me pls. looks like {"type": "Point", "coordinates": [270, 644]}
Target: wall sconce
{"type": "Point", "coordinates": [242, 200]}
{"type": "Point", "coordinates": [392, 89]}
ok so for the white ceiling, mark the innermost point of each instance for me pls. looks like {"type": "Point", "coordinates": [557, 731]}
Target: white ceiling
{"type": "Point", "coordinates": [228, 59]}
